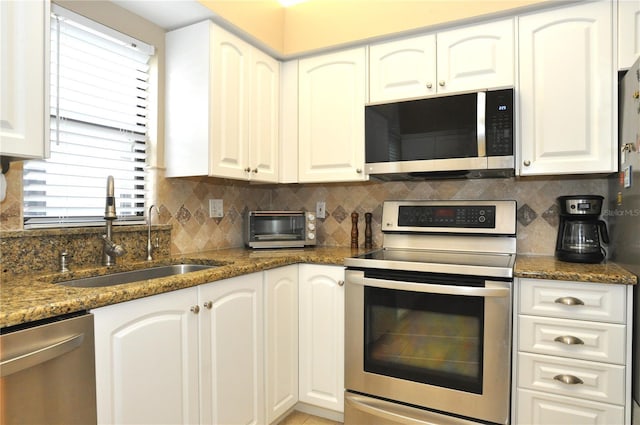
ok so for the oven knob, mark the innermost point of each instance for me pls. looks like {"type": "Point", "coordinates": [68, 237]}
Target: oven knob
{"type": "Point", "coordinates": [482, 219]}
{"type": "Point", "coordinates": [311, 235]}
{"type": "Point", "coordinates": [311, 226]}
{"type": "Point", "coordinates": [311, 217]}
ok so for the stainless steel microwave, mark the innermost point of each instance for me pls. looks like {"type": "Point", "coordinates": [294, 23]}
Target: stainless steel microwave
{"type": "Point", "coordinates": [279, 229]}
{"type": "Point", "coordinates": [461, 135]}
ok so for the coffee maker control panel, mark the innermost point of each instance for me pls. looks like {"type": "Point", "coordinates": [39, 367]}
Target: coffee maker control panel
{"type": "Point", "coordinates": [583, 206]}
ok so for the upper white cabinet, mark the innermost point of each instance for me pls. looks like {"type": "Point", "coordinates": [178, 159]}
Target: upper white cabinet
{"type": "Point", "coordinates": [222, 104]}
{"type": "Point", "coordinates": [322, 336]}
{"type": "Point", "coordinates": [472, 57]}
{"type": "Point", "coordinates": [24, 79]}
{"type": "Point", "coordinates": [628, 33]}
{"type": "Point", "coordinates": [332, 95]}
{"type": "Point", "coordinates": [567, 90]}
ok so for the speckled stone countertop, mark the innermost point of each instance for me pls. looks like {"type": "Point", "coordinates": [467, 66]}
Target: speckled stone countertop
{"type": "Point", "coordinates": [548, 267]}
{"type": "Point", "coordinates": [33, 297]}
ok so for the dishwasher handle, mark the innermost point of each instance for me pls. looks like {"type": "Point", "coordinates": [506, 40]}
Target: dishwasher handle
{"type": "Point", "coordinates": [497, 289]}
{"type": "Point", "coordinates": [39, 355]}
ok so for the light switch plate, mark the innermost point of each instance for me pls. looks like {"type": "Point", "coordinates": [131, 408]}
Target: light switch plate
{"type": "Point", "coordinates": [216, 208]}
{"type": "Point", "coordinates": [321, 209]}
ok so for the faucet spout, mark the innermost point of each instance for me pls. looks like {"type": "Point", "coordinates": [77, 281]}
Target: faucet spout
{"type": "Point", "coordinates": [149, 247]}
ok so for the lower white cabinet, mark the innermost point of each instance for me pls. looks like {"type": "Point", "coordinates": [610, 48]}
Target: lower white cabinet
{"type": "Point", "coordinates": [231, 351]}
{"type": "Point", "coordinates": [225, 352]}
{"type": "Point", "coordinates": [188, 356]}
{"type": "Point", "coordinates": [147, 360]}
{"type": "Point", "coordinates": [281, 340]}
{"type": "Point", "coordinates": [322, 336]}
{"type": "Point", "coordinates": [572, 353]}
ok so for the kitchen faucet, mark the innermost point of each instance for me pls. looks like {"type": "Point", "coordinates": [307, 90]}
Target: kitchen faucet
{"type": "Point", "coordinates": [149, 247]}
{"type": "Point", "coordinates": [110, 250]}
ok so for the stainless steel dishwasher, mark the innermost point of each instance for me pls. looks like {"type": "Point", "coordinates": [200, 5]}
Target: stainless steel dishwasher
{"type": "Point", "coordinates": [47, 372]}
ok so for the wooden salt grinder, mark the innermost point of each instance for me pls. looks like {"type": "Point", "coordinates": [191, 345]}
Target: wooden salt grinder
{"type": "Point", "coordinates": [354, 230]}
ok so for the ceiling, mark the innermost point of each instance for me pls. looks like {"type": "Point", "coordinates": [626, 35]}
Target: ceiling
{"type": "Point", "coordinates": [168, 14]}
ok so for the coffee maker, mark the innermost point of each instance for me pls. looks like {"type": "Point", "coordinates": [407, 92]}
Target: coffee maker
{"type": "Point", "coordinates": [581, 229]}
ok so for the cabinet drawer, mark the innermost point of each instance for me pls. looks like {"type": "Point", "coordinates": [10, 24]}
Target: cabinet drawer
{"type": "Point", "coordinates": [573, 300]}
{"type": "Point", "coordinates": [595, 381]}
{"type": "Point", "coordinates": [603, 342]}
{"type": "Point", "coordinates": [546, 409]}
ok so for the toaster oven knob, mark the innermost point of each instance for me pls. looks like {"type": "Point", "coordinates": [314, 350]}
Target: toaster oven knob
{"type": "Point", "coordinates": [311, 226]}
{"type": "Point", "coordinates": [311, 217]}
{"type": "Point", "coordinates": [311, 236]}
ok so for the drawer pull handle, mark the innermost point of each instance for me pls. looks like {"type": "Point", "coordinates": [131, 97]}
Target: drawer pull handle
{"type": "Point", "coordinates": [569, 340]}
{"type": "Point", "coordinates": [569, 301]}
{"type": "Point", "coordinates": [568, 379]}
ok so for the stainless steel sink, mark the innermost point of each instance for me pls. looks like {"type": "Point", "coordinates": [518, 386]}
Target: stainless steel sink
{"type": "Point", "coordinates": [135, 275]}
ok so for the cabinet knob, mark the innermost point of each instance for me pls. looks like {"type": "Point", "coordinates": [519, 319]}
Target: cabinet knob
{"type": "Point", "coordinates": [247, 170]}
{"type": "Point", "coordinates": [359, 170]}
{"type": "Point", "coordinates": [527, 162]}
{"type": "Point", "coordinates": [568, 379]}
{"type": "Point", "coordinates": [195, 309]}
{"type": "Point", "coordinates": [441, 83]}
{"type": "Point", "coordinates": [254, 171]}
{"type": "Point", "coordinates": [341, 283]}
{"type": "Point", "coordinates": [569, 340]}
{"type": "Point", "coordinates": [429, 85]}
{"type": "Point", "coordinates": [569, 301]}
{"type": "Point", "coordinates": [208, 305]}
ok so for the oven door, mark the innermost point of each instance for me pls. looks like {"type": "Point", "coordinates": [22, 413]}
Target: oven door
{"type": "Point", "coordinates": [440, 342]}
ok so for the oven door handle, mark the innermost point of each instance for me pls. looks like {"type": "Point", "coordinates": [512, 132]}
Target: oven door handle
{"type": "Point", "coordinates": [498, 290]}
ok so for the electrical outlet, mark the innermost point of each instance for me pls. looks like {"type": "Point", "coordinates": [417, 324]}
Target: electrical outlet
{"type": "Point", "coordinates": [321, 209]}
{"type": "Point", "coordinates": [215, 208]}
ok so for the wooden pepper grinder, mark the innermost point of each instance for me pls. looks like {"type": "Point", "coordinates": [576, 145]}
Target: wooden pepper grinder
{"type": "Point", "coordinates": [368, 240]}
{"type": "Point", "coordinates": [354, 230]}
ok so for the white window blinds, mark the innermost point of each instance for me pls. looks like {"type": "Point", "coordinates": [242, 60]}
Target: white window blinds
{"type": "Point", "coordinates": [99, 104]}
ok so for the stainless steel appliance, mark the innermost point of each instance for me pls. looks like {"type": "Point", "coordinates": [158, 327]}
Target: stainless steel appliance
{"type": "Point", "coordinates": [624, 214]}
{"type": "Point", "coordinates": [428, 317]}
{"type": "Point", "coordinates": [47, 373]}
{"type": "Point", "coordinates": [581, 230]}
{"type": "Point", "coordinates": [279, 229]}
{"type": "Point", "coordinates": [462, 135]}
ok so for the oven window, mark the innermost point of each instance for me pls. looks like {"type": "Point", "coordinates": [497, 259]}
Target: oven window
{"type": "Point", "coordinates": [429, 338]}
{"type": "Point", "coordinates": [278, 228]}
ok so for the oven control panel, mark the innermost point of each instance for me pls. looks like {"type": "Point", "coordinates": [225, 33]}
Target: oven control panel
{"type": "Point", "coordinates": [447, 216]}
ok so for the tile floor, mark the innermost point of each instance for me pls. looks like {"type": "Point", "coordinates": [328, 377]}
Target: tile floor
{"type": "Point", "coordinates": [299, 418]}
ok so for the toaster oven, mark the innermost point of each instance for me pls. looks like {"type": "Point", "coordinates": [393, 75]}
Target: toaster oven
{"type": "Point", "coordinates": [280, 229]}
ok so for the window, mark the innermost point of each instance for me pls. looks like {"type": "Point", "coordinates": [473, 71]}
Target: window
{"type": "Point", "coordinates": [98, 102]}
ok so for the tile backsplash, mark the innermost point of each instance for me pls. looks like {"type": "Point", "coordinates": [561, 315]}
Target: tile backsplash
{"type": "Point", "coordinates": [183, 203]}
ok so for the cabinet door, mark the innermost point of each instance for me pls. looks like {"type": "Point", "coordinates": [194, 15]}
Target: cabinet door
{"type": "Point", "coordinates": [24, 79]}
{"type": "Point", "coordinates": [231, 351]}
{"type": "Point", "coordinates": [476, 57]}
{"type": "Point", "coordinates": [628, 33]}
{"type": "Point", "coordinates": [331, 117]}
{"type": "Point", "coordinates": [264, 117]}
{"type": "Point", "coordinates": [567, 86]}
{"type": "Point", "coordinates": [281, 340]}
{"type": "Point", "coordinates": [322, 336]}
{"type": "Point", "coordinates": [229, 123]}
{"type": "Point", "coordinates": [402, 69]}
{"type": "Point", "coordinates": [545, 409]}
{"type": "Point", "coordinates": [147, 360]}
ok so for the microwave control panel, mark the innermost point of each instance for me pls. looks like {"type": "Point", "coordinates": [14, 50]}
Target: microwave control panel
{"type": "Point", "coordinates": [499, 122]}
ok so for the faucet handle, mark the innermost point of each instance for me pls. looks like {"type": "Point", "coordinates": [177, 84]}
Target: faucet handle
{"type": "Point", "coordinates": [112, 248]}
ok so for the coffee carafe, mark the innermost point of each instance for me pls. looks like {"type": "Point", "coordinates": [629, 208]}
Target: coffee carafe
{"type": "Point", "coordinates": [581, 229]}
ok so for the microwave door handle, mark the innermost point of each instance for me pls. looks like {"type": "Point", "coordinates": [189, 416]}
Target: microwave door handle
{"type": "Point", "coordinates": [496, 289]}
{"type": "Point", "coordinates": [481, 124]}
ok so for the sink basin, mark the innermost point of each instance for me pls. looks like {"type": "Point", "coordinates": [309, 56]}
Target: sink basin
{"type": "Point", "coordinates": [135, 275]}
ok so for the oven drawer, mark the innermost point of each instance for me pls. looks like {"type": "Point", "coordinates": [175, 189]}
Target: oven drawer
{"type": "Point", "coordinates": [549, 409]}
{"type": "Point", "coordinates": [604, 342]}
{"type": "Point", "coordinates": [573, 300]}
{"type": "Point", "coordinates": [572, 378]}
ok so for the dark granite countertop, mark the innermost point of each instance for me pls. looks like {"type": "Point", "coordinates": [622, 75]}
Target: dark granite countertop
{"type": "Point", "coordinates": [33, 297]}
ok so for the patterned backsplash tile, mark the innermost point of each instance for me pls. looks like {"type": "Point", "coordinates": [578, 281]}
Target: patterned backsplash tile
{"type": "Point", "coordinates": [183, 203]}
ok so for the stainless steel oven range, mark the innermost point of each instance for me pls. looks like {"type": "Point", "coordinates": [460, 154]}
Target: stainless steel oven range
{"type": "Point", "coordinates": [428, 317]}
